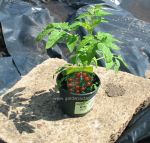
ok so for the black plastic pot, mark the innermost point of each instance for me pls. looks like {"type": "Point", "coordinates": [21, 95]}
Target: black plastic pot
{"type": "Point", "coordinates": [77, 105]}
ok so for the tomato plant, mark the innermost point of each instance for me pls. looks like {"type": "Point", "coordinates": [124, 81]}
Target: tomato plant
{"type": "Point", "coordinates": [86, 50]}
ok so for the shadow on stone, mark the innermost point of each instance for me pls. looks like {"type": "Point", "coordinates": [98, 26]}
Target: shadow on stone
{"type": "Point", "coordinates": [42, 105]}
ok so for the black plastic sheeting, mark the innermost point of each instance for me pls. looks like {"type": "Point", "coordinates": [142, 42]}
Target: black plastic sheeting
{"type": "Point", "coordinates": [138, 130]}
{"type": "Point", "coordinates": [8, 75]}
{"type": "Point", "coordinates": [79, 3]}
{"type": "Point", "coordinates": [21, 21]}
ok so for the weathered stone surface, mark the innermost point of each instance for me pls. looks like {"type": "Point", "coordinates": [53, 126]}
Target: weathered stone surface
{"type": "Point", "coordinates": [29, 112]}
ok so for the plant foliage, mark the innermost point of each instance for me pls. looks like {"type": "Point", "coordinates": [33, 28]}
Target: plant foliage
{"type": "Point", "coordinates": [85, 49]}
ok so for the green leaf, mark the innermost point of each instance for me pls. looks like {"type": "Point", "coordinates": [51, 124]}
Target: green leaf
{"type": "Point", "coordinates": [74, 59]}
{"type": "Point", "coordinates": [122, 60]}
{"type": "Point", "coordinates": [75, 25]}
{"type": "Point", "coordinates": [53, 38]}
{"type": "Point", "coordinates": [109, 65]}
{"type": "Point", "coordinates": [98, 11]}
{"type": "Point", "coordinates": [114, 47]}
{"type": "Point", "coordinates": [101, 13]}
{"type": "Point", "coordinates": [89, 39]}
{"type": "Point", "coordinates": [43, 34]}
{"type": "Point", "coordinates": [86, 25]}
{"type": "Point", "coordinates": [95, 61]}
{"type": "Point", "coordinates": [72, 42]}
{"type": "Point", "coordinates": [83, 59]}
{"type": "Point", "coordinates": [108, 56]}
{"type": "Point", "coordinates": [50, 27]}
{"type": "Point", "coordinates": [63, 26]}
{"type": "Point", "coordinates": [117, 65]}
{"type": "Point", "coordinates": [108, 40]}
{"type": "Point", "coordinates": [96, 22]}
{"type": "Point", "coordinates": [91, 53]}
{"type": "Point", "coordinates": [83, 15]}
{"type": "Point", "coordinates": [106, 36]}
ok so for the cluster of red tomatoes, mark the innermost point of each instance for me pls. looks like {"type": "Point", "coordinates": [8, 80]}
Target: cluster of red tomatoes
{"type": "Point", "coordinates": [79, 82]}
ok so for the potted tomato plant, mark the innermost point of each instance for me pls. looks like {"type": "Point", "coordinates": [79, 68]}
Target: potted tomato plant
{"type": "Point", "coordinates": [77, 81]}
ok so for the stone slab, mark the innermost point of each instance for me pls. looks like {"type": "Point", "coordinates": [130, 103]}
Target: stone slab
{"type": "Point", "coordinates": [29, 111]}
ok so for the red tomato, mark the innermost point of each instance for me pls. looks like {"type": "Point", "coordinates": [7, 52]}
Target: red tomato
{"type": "Point", "coordinates": [78, 74]}
{"type": "Point", "coordinates": [83, 88]}
{"type": "Point", "coordinates": [70, 85]}
{"type": "Point", "coordinates": [84, 74]}
{"type": "Point", "coordinates": [88, 83]}
{"type": "Point", "coordinates": [87, 78]}
{"type": "Point", "coordinates": [77, 91]}
{"type": "Point", "coordinates": [77, 82]}
{"type": "Point", "coordinates": [70, 79]}
{"type": "Point", "coordinates": [77, 87]}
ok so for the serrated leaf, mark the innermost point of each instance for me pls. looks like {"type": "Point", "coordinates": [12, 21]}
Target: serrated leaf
{"type": "Point", "coordinates": [75, 25]}
{"type": "Point", "coordinates": [117, 65]}
{"type": "Point", "coordinates": [96, 22]}
{"type": "Point", "coordinates": [101, 13]}
{"type": "Point", "coordinates": [122, 60]}
{"type": "Point", "coordinates": [53, 38]}
{"type": "Point", "coordinates": [109, 65]}
{"type": "Point", "coordinates": [86, 40]}
{"type": "Point", "coordinates": [72, 42]}
{"type": "Point", "coordinates": [86, 25]}
{"type": "Point", "coordinates": [83, 59]}
{"type": "Point", "coordinates": [83, 15]}
{"type": "Point", "coordinates": [95, 61]}
{"type": "Point", "coordinates": [115, 47]}
{"type": "Point", "coordinates": [43, 34]}
{"type": "Point", "coordinates": [74, 59]}
{"type": "Point", "coordinates": [108, 56]}
{"type": "Point", "coordinates": [63, 26]}
{"type": "Point", "coordinates": [105, 36]}
{"type": "Point", "coordinates": [91, 53]}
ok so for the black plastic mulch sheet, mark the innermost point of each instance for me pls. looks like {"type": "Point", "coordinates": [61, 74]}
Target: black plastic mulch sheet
{"type": "Point", "coordinates": [138, 130]}
{"type": "Point", "coordinates": [79, 3]}
{"type": "Point", "coordinates": [21, 22]}
{"type": "Point", "coordinates": [8, 73]}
